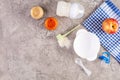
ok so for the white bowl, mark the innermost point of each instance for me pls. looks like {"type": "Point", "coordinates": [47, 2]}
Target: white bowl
{"type": "Point", "coordinates": [86, 45]}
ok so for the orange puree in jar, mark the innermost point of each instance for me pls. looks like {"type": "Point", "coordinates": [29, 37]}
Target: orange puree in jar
{"type": "Point", "coordinates": [51, 23]}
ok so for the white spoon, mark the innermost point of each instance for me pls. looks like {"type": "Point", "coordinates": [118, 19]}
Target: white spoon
{"type": "Point", "coordinates": [79, 62]}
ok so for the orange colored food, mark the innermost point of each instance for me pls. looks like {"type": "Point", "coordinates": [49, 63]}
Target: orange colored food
{"type": "Point", "coordinates": [51, 23]}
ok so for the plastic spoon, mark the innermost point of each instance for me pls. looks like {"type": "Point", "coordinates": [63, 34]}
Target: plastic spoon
{"type": "Point", "coordinates": [79, 62]}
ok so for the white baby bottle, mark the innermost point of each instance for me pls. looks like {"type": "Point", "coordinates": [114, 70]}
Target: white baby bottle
{"type": "Point", "coordinates": [73, 10]}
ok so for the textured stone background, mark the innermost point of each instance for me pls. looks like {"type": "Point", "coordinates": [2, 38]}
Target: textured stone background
{"type": "Point", "coordinates": [30, 52]}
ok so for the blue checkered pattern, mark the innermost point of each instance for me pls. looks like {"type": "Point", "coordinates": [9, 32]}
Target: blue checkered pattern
{"type": "Point", "coordinates": [111, 42]}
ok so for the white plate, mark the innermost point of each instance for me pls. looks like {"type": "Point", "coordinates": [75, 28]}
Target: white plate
{"type": "Point", "coordinates": [86, 45]}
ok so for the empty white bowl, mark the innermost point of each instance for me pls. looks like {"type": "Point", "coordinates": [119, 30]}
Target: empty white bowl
{"type": "Point", "coordinates": [86, 45]}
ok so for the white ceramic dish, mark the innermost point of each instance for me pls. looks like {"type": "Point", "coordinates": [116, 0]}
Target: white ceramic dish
{"type": "Point", "coordinates": [86, 45]}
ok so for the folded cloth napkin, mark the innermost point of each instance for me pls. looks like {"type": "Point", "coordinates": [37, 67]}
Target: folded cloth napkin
{"type": "Point", "coordinates": [111, 42]}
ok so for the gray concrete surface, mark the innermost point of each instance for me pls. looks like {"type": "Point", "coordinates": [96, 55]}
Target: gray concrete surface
{"type": "Point", "coordinates": [30, 52]}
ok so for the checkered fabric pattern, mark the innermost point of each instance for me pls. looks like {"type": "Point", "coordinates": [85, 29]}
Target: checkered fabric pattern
{"type": "Point", "coordinates": [111, 42]}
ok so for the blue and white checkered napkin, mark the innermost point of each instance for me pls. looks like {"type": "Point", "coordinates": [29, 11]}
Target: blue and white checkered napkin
{"type": "Point", "coordinates": [110, 42]}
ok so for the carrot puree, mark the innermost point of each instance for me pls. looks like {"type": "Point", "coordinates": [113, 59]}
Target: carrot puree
{"type": "Point", "coordinates": [51, 23]}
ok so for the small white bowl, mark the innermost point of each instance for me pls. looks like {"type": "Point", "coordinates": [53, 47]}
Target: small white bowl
{"type": "Point", "coordinates": [86, 45]}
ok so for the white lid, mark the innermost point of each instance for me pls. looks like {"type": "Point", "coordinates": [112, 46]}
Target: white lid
{"type": "Point", "coordinates": [76, 11]}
